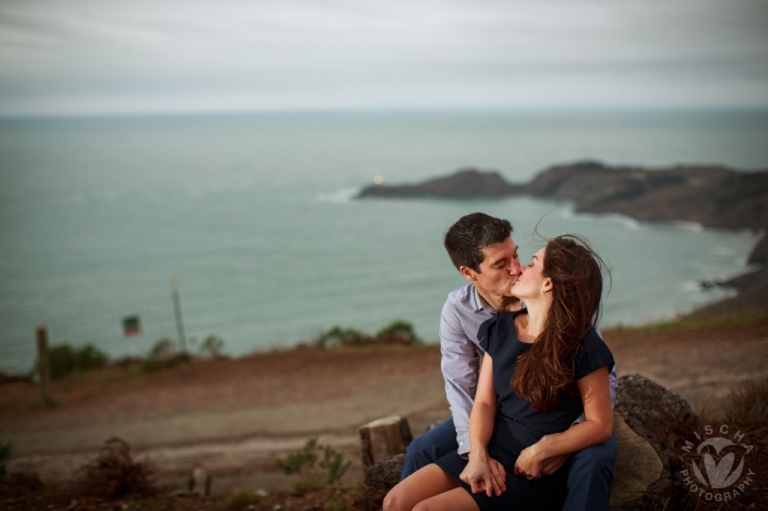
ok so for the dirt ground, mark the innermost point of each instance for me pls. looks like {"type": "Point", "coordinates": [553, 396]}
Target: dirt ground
{"type": "Point", "coordinates": [234, 417]}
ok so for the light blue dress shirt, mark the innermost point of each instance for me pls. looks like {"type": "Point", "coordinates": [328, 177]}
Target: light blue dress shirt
{"type": "Point", "coordinates": [463, 313]}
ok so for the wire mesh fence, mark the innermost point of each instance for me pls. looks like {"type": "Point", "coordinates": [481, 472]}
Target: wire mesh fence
{"type": "Point", "coordinates": [118, 332]}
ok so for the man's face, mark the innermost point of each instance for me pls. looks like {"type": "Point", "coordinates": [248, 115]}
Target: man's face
{"type": "Point", "coordinates": [498, 271]}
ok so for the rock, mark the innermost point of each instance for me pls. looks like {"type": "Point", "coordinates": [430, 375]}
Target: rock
{"type": "Point", "coordinates": [637, 465]}
{"type": "Point", "coordinates": [464, 183]}
{"type": "Point", "coordinates": [661, 418]}
{"type": "Point", "coordinates": [759, 254]}
{"type": "Point", "coordinates": [381, 478]}
{"type": "Point", "coordinates": [648, 421]}
{"type": "Point", "coordinates": [711, 195]}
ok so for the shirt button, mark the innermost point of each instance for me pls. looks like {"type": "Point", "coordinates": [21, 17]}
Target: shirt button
{"type": "Point", "coordinates": [461, 443]}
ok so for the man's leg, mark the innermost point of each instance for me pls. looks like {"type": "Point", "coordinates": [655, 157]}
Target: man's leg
{"type": "Point", "coordinates": [590, 477]}
{"type": "Point", "coordinates": [430, 446]}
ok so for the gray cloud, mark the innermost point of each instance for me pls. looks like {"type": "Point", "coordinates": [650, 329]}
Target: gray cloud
{"type": "Point", "coordinates": [87, 56]}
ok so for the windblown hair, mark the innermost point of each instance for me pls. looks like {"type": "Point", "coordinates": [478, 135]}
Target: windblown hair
{"type": "Point", "coordinates": [547, 368]}
{"type": "Point", "coordinates": [466, 238]}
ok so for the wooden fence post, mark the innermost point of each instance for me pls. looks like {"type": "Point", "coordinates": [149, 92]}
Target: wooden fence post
{"type": "Point", "coordinates": [43, 366]}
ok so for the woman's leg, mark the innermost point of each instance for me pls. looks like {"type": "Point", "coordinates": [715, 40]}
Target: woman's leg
{"type": "Point", "coordinates": [421, 485]}
{"type": "Point", "coordinates": [457, 499]}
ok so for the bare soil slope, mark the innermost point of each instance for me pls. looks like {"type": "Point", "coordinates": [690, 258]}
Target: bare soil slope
{"type": "Point", "coordinates": [235, 416]}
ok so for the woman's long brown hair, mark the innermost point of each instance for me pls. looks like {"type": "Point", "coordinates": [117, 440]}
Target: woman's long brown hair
{"type": "Point", "coordinates": [546, 369]}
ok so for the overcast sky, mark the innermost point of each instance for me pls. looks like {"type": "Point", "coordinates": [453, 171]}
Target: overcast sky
{"type": "Point", "coordinates": [74, 57]}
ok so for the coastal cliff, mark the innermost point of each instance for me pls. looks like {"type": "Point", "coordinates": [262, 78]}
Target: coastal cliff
{"type": "Point", "coordinates": [466, 183]}
{"type": "Point", "coordinates": [713, 196]}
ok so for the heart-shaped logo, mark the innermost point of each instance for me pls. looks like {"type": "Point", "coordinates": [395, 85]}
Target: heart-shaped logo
{"type": "Point", "coordinates": [718, 473]}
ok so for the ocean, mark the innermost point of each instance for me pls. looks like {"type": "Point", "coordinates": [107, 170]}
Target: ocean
{"type": "Point", "coordinates": [255, 217]}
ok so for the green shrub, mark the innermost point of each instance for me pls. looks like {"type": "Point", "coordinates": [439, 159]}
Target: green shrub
{"type": "Point", "coordinates": [398, 331]}
{"type": "Point", "coordinates": [212, 347]}
{"type": "Point", "coordinates": [338, 336]}
{"type": "Point", "coordinates": [318, 465]}
{"type": "Point", "coordinates": [163, 349]}
{"type": "Point", "coordinates": [64, 359]}
{"type": "Point", "coordinates": [163, 355]}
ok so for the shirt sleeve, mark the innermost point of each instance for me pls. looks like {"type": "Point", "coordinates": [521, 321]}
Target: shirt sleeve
{"type": "Point", "coordinates": [459, 362]}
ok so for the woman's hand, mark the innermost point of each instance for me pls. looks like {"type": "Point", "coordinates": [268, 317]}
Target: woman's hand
{"type": "Point", "coordinates": [530, 463]}
{"type": "Point", "coordinates": [484, 474]}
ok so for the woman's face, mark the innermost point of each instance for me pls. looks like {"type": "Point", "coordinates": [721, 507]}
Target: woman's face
{"type": "Point", "coordinates": [531, 282]}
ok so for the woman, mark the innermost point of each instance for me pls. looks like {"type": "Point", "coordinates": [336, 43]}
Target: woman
{"type": "Point", "coordinates": [544, 366]}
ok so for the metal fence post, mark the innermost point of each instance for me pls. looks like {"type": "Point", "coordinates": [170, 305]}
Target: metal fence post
{"type": "Point", "coordinates": [177, 312]}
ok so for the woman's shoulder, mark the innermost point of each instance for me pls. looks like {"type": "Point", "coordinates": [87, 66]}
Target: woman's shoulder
{"type": "Point", "coordinates": [594, 353]}
{"type": "Point", "coordinates": [591, 337]}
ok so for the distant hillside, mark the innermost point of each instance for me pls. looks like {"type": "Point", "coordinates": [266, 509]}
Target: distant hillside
{"type": "Point", "coordinates": [710, 195]}
{"type": "Point", "coordinates": [464, 183]}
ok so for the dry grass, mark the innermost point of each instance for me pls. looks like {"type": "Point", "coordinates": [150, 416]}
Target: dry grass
{"type": "Point", "coordinates": [748, 405]}
{"type": "Point", "coordinates": [115, 474]}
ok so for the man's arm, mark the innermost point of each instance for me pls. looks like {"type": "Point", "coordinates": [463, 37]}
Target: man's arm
{"type": "Point", "coordinates": [459, 363]}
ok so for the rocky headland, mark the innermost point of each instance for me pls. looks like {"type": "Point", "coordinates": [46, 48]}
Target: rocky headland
{"type": "Point", "coordinates": [709, 195]}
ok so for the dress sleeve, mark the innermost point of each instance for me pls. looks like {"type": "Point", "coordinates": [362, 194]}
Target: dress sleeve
{"type": "Point", "coordinates": [593, 354]}
{"type": "Point", "coordinates": [486, 330]}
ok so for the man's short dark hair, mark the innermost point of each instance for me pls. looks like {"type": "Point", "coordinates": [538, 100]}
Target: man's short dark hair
{"type": "Point", "coordinates": [466, 238]}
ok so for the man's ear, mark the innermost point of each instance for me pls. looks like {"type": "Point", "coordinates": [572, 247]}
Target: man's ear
{"type": "Point", "coordinates": [546, 285]}
{"type": "Point", "coordinates": [468, 273]}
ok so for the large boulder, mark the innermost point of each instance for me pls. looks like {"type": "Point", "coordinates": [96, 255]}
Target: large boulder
{"type": "Point", "coordinates": [637, 465]}
{"type": "Point", "coordinates": [661, 418]}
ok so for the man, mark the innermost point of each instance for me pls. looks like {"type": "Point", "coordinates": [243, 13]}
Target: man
{"type": "Point", "coordinates": [481, 248]}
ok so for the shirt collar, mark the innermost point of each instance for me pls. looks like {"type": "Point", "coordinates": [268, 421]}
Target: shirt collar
{"type": "Point", "coordinates": [478, 303]}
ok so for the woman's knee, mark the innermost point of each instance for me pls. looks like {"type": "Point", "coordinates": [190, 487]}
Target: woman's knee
{"type": "Point", "coordinates": [394, 500]}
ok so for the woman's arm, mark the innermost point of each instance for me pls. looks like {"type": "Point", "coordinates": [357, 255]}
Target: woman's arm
{"type": "Point", "coordinates": [482, 473]}
{"type": "Point", "coordinates": [596, 429]}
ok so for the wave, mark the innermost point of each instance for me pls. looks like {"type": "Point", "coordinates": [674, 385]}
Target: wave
{"type": "Point", "coordinates": [689, 226]}
{"type": "Point", "coordinates": [339, 196]}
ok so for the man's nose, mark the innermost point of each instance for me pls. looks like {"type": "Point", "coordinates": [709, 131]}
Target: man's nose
{"type": "Point", "coordinates": [514, 268]}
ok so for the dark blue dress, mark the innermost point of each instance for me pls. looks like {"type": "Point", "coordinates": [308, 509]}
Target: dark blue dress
{"type": "Point", "coordinates": [517, 425]}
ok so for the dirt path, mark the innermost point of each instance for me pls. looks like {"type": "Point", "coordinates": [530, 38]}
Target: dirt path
{"type": "Point", "coordinates": [236, 416]}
